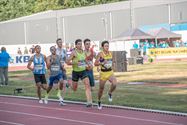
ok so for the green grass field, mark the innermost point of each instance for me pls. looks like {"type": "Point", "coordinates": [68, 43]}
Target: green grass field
{"type": "Point", "coordinates": [164, 86]}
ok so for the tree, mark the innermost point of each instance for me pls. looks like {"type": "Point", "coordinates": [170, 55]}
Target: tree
{"type": "Point", "coordinates": [10, 9]}
{"type": "Point", "coordinates": [15, 8]}
{"type": "Point", "coordinates": [43, 5]}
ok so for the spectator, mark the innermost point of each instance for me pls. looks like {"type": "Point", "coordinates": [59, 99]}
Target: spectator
{"type": "Point", "coordinates": [185, 44]}
{"type": "Point", "coordinates": [32, 49]}
{"type": "Point", "coordinates": [177, 44]}
{"type": "Point", "coordinates": [26, 50]}
{"type": "Point", "coordinates": [135, 45]}
{"type": "Point", "coordinates": [145, 47]}
{"type": "Point", "coordinates": [4, 59]}
{"type": "Point", "coordinates": [19, 51]}
{"type": "Point", "coordinates": [151, 45]}
{"type": "Point", "coordinates": [181, 43]}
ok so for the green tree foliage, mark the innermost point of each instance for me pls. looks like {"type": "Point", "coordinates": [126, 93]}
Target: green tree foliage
{"type": "Point", "coordinates": [10, 9]}
{"type": "Point", "coordinates": [43, 5]}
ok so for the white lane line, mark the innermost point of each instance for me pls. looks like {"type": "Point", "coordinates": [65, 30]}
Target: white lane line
{"type": "Point", "coordinates": [11, 123]}
{"type": "Point", "coordinates": [104, 105]}
{"type": "Point", "coordinates": [92, 113]}
{"type": "Point", "coordinates": [51, 117]}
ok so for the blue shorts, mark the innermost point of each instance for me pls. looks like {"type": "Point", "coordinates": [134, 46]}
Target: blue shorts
{"type": "Point", "coordinates": [91, 77]}
{"type": "Point", "coordinates": [64, 76]}
{"type": "Point", "coordinates": [55, 79]}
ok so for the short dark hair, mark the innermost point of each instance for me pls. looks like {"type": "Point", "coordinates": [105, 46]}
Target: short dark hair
{"type": "Point", "coordinates": [58, 39]}
{"type": "Point", "coordinates": [104, 42]}
{"type": "Point", "coordinates": [36, 46]}
{"type": "Point", "coordinates": [86, 40]}
{"type": "Point", "coordinates": [3, 49]}
{"type": "Point", "coordinates": [52, 47]}
{"type": "Point", "coordinates": [77, 40]}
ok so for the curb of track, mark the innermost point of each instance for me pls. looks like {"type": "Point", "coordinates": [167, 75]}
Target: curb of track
{"type": "Point", "coordinates": [107, 106]}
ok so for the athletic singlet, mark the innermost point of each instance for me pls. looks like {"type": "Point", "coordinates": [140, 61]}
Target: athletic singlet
{"type": "Point", "coordinates": [55, 68]}
{"type": "Point", "coordinates": [89, 58]}
{"type": "Point", "coordinates": [39, 64]}
{"type": "Point", "coordinates": [79, 63]}
{"type": "Point", "coordinates": [108, 65]}
{"type": "Point", "coordinates": [62, 54]}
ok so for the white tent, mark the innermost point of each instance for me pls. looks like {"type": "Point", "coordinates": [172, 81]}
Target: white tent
{"type": "Point", "coordinates": [133, 34]}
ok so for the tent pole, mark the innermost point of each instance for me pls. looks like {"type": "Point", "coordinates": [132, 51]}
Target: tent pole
{"type": "Point", "coordinates": [156, 42]}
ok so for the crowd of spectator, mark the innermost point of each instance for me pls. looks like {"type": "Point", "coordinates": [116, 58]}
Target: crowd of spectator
{"type": "Point", "coordinates": [147, 44]}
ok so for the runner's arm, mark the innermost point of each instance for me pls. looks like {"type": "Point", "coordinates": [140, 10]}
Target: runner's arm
{"type": "Point", "coordinates": [97, 62]}
{"type": "Point", "coordinates": [48, 62]}
{"type": "Point", "coordinates": [68, 61]}
{"type": "Point", "coordinates": [45, 59]}
{"type": "Point", "coordinates": [62, 64]}
{"type": "Point", "coordinates": [29, 63]}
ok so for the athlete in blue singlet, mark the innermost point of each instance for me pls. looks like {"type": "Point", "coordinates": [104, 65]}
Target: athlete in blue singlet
{"type": "Point", "coordinates": [55, 66]}
{"type": "Point", "coordinates": [61, 52]}
{"type": "Point", "coordinates": [38, 70]}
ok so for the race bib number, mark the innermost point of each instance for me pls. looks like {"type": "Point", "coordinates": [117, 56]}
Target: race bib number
{"type": "Point", "coordinates": [55, 68]}
{"type": "Point", "coordinates": [90, 63]}
{"type": "Point", "coordinates": [108, 64]}
{"type": "Point", "coordinates": [81, 64]}
{"type": "Point", "coordinates": [38, 67]}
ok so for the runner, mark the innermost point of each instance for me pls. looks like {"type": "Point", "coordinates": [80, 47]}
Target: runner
{"type": "Point", "coordinates": [78, 58]}
{"type": "Point", "coordinates": [55, 74]}
{"type": "Point", "coordinates": [61, 52]}
{"type": "Point", "coordinates": [38, 70]}
{"type": "Point", "coordinates": [104, 59]}
{"type": "Point", "coordinates": [90, 54]}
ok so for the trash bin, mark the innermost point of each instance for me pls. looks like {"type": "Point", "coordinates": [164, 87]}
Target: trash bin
{"type": "Point", "coordinates": [120, 61]}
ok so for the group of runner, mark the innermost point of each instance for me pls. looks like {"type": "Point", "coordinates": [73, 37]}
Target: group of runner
{"type": "Point", "coordinates": [82, 65]}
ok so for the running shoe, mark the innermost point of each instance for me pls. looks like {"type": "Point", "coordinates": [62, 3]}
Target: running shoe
{"type": "Point", "coordinates": [59, 96]}
{"type": "Point", "coordinates": [89, 105]}
{"type": "Point", "coordinates": [99, 106]}
{"type": "Point", "coordinates": [41, 101]}
{"type": "Point", "coordinates": [46, 99]}
{"type": "Point", "coordinates": [109, 97]}
{"type": "Point", "coordinates": [61, 103]}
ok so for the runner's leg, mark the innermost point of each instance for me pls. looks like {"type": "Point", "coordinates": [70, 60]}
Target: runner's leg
{"type": "Point", "coordinates": [38, 90]}
{"type": "Point", "coordinates": [100, 92]}
{"type": "Point", "coordinates": [88, 90]}
{"type": "Point", "coordinates": [113, 82]}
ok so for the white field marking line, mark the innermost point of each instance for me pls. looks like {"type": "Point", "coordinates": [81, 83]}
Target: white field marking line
{"type": "Point", "coordinates": [50, 117]}
{"type": "Point", "coordinates": [92, 113]}
{"type": "Point", "coordinates": [12, 123]}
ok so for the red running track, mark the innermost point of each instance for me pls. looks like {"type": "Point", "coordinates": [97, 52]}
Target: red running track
{"type": "Point", "coordinates": [16, 111]}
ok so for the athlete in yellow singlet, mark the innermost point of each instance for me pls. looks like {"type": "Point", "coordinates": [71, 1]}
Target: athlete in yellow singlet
{"type": "Point", "coordinates": [104, 60]}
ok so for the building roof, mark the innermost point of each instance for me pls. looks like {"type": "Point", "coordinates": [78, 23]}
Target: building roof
{"type": "Point", "coordinates": [94, 9]}
{"type": "Point", "coordinates": [163, 33]}
{"type": "Point", "coordinates": [133, 34]}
